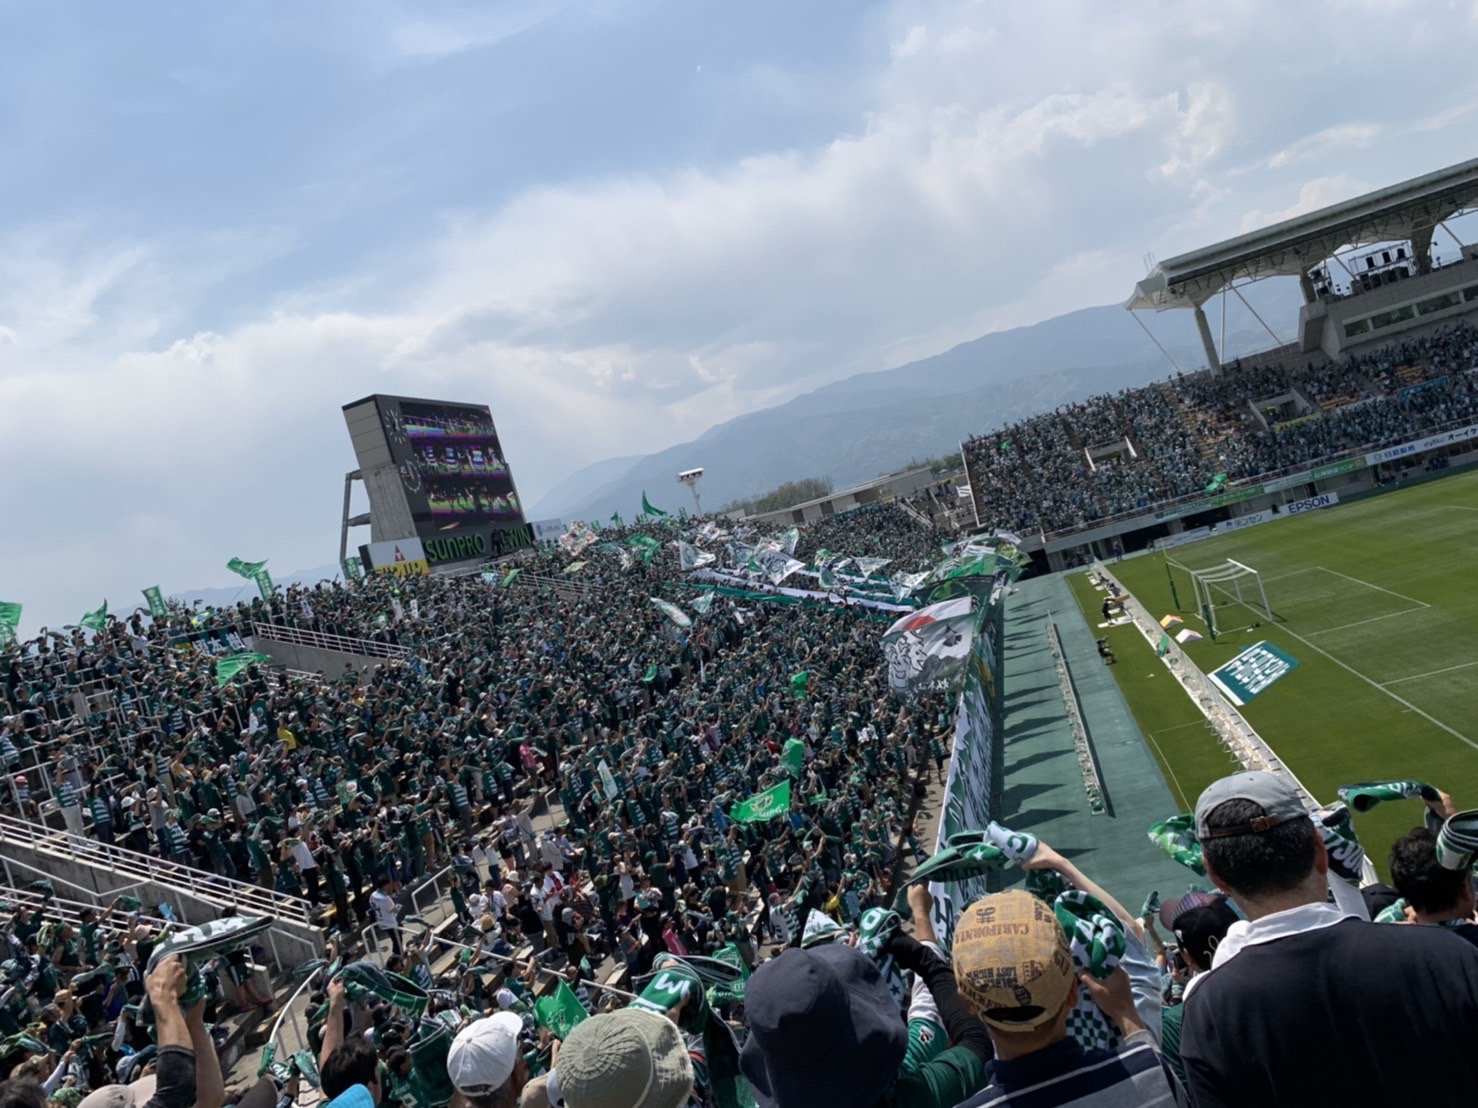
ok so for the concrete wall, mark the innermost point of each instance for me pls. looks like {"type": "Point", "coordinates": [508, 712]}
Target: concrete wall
{"type": "Point", "coordinates": [312, 659]}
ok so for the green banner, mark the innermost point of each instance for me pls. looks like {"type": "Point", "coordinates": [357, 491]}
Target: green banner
{"type": "Point", "coordinates": [249, 570]}
{"type": "Point", "coordinates": [1334, 469]}
{"type": "Point", "coordinates": [229, 666]}
{"type": "Point", "coordinates": [96, 621]}
{"type": "Point", "coordinates": [10, 621]}
{"type": "Point", "coordinates": [156, 602]}
{"type": "Point", "coordinates": [508, 578]}
{"type": "Point", "coordinates": [646, 547]}
{"type": "Point", "coordinates": [353, 568]}
{"type": "Point", "coordinates": [1252, 671]}
{"type": "Point", "coordinates": [1236, 496]}
{"type": "Point", "coordinates": [763, 806]}
{"type": "Point", "coordinates": [264, 583]}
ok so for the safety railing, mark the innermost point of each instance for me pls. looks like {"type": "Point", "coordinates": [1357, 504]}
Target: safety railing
{"type": "Point", "coordinates": [1082, 745]}
{"type": "Point", "coordinates": [320, 640]}
{"type": "Point", "coordinates": [132, 866]}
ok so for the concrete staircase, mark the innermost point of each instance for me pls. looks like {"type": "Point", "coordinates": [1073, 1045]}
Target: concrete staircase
{"type": "Point", "coordinates": [99, 872]}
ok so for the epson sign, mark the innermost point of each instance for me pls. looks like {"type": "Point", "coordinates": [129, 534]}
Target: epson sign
{"type": "Point", "coordinates": [1323, 500]}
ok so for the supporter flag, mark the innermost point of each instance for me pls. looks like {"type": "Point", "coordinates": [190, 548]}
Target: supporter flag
{"type": "Point", "coordinates": [690, 557]}
{"type": "Point", "coordinates": [1163, 647]}
{"type": "Point", "coordinates": [560, 1012]}
{"type": "Point", "coordinates": [679, 617]}
{"type": "Point", "coordinates": [617, 520]}
{"type": "Point", "coordinates": [576, 538]}
{"type": "Point", "coordinates": [10, 621]}
{"type": "Point", "coordinates": [645, 546]}
{"type": "Point", "coordinates": [774, 564]}
{"type": "Point", "coordinates": [1346, 855]}
{"type": "Point", "coordinates": [763, 806]}
{"type": "Point", "coordinates": [1188, 636]}
{"type": "Point", "coordinates": [703, 602]}
{"type": "Point", "coordinates": [903, 584]}
{"type": "Point", "coordinates": [1006, 536]}
{"type": "Point", "coordinates": [926, 651]}
{"type": "Point", "coordinates": [1176, 836]}
{"type": "Point", "coordinates": [790, 540]}
{"type": "Point", "coordinates": [508, 578]}
{"type": "Point", "coordinates": [249, 570]}
{"type": "Point", "coordinates": [869, 566]}
{"type": "Point", "coordinates": [353, 568]}
{"type": "Point", "coordinates": [798, 684]}
{"type": "Point", "coordinates": [1218, 483]}
{"type": "Point", "coordinates": [96, 621]}
{"type": "Point", "coordinates": [794, 756]}
{"type": "Point", "coordinates": [733, 992]}
{"type": "Point", "coordinates": [264, 584]}
{"type": "Point", "coordinates": [650, 675]}
{"type": "Point", "coordinates": [229, 666]}
{"type": "Point", "coordinates": [648, 509]}
{"type": "Point", "coordinates": [156, 602]}
{"type": "Point", "coordinates": [574, 568]}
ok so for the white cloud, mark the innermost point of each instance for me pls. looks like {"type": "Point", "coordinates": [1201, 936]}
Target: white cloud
{"type": "Point", "coordinates": [1315, 194]}
{"type": "Point", "coordinates": [1344, 136]}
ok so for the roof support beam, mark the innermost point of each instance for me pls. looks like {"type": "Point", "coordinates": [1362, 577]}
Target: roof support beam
{"type": "Point", "coordinates": [1213, 361]}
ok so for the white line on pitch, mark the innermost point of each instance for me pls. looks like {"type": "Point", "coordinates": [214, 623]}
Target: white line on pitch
{"type": "Point", "coordinates": [1372, 619]}
{"type": "Point", "coordinates": [1290, 573]}
{"type": "Point", "coordinates": [1185, 800]}
{"type": "Point", "coordinates": [1435, 672]}
{"type": "Point", "coordinates": [1377, 588]}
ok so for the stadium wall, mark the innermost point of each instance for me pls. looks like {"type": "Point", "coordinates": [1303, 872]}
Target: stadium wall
{"type": "Point", "coordinates": [974, 768]}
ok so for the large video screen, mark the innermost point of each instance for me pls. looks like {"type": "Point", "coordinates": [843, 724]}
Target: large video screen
{"type": "Point", "coordinates": [451, 465]}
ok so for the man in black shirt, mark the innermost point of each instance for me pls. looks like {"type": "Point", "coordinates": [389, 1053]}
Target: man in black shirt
{"type": "Point", "coordinates": [1434, 895]}
{"type": "Point", "coordinates": [1305, 1004]}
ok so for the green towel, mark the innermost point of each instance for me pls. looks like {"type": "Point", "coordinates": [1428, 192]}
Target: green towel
{"type": "Point", "coordinates": [1346, 855]}
{"type": "Point", "coordinates": [1457, 842]}
{"type": "Point", "coordinates": [877, 927]}
{"type": "Point", "coordinates": [1176, 836]}
{"type": "Point", "coordinates": [1098, 943]}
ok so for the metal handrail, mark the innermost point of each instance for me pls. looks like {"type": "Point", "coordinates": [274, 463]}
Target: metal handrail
{"type": "Point", "coordinates": [216, 889]}
{"type": "Point", "coordinates": [296, 636]}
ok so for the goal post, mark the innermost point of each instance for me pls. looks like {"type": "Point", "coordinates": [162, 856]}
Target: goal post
{"type": "Point", "coordinates": [1232, 582]}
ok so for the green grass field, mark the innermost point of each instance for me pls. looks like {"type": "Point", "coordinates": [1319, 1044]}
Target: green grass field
{"type": "Point", "coordinates": [1378, 603]}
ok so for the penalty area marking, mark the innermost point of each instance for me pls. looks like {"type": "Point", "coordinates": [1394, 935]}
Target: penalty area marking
{"type": "Point", "coordinates": [1372, 619]}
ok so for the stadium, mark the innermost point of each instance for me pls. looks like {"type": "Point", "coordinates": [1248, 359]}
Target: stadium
{"type": "Point", "coordinates": [573, 770]}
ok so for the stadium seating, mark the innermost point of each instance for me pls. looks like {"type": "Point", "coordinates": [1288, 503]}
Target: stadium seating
{"type": "Point", "coordinates": [1041, 474]}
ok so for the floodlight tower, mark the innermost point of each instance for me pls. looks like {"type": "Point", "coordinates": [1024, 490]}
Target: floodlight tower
{"type": "Point", "coordinates": [690, 478]}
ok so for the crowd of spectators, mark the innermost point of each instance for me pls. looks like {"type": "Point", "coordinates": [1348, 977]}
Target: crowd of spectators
{"type": "Point", "coordinates": [1121, 453]}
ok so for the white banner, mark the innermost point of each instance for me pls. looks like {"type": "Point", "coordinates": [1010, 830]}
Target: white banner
{"type": "Point", "coordinates": [1433, 442]}
{"type": "Point", "coordinates": [1313, 503]}
{"type": "Point", "coordinates": [384, 554]}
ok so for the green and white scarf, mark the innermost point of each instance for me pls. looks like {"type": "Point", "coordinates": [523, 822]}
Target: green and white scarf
{"type": "Point", "coordinates": [1457, 842]}
{"type": "Point", "coordinates": [1176, 836]}
{"type": "Point", "coordinates": [1097, 939]}
{"type": "Point", "coordinates": [1346, 855]}
{"type": "Point", "coordinates": [878, 926]}
{"type": "Point", "coordinates": [1366, 795]}
{"type": "Point", "coordinates": [1017, 846]}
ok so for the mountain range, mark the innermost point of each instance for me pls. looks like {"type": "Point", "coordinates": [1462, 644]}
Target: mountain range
{"type": "Point", "coordinates": [872, 423]}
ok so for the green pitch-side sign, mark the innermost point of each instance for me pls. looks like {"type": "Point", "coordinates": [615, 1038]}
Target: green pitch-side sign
{"type": "Point", "coordinates": [1252, 671]}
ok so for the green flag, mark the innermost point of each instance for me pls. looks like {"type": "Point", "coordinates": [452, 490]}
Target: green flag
{"type": "Point", "coordinates": [249, 570]}
{"type": "Point", "coordinates": [508, 577]}
{"type": "Point", "coordinates": [96, 621]}
{"type": "Point", "coordinates": [645, 546]}
{"type": "Point", "coordinates": [798, 684]}
{"type": "Point", "coordinates": [264, 583]}
{"type": "Point", "coordinates": [679, 617]}
{"type": "Point", "coordinates": [616, 518]}
{"type": "Point", "coordinates": [650, 675]}
{"type": "Point", "coordinates": [353, 568]}
{"type": "Point", "coordinates": [1217, 483]}
{"type": "Point", "coordinates": [10, 621]}
{"type": "Point", "coordinates": [561, 1012]}
{"type": "Point", "coordinates": [704, 602]}
{"type": "Point", "coordinates": [1164, 645]}
{"type": "Point", "coordinates": [794, 756]}
{"type": "Point", "coordinates": [763, 806]}
{"type": "Point", "coordinates": [156, 602]}
{"type": "Point", "coordinates": [229, 666]}
{"type": "Point", "coordinates": [647, 509]}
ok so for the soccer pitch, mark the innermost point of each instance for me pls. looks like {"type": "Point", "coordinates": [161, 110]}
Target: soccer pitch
{"type": "Point", "coordinates": [1375, 601]}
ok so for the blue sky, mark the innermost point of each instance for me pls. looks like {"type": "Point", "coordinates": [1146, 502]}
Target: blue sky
{"type": "Point", "coordinates": [617, 223]}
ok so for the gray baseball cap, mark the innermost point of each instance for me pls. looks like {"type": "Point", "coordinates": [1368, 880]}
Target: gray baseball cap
{"type": "Point", "coordinates": [1275, 796]}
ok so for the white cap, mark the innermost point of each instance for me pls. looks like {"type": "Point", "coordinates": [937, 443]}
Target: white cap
{"type": "Point", "coordinates": [484, 1054]}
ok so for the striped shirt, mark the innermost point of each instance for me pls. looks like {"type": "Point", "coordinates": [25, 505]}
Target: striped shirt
{"type": "Point", "coordinates": [1064, 1075]}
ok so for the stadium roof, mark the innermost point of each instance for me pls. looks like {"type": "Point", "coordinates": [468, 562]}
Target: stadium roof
{"type": "Point", "coordinates": [1405, 212]}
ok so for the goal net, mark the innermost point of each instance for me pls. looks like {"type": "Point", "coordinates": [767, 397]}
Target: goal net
{"type": "Point", "coordinates": [1231, 583]}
